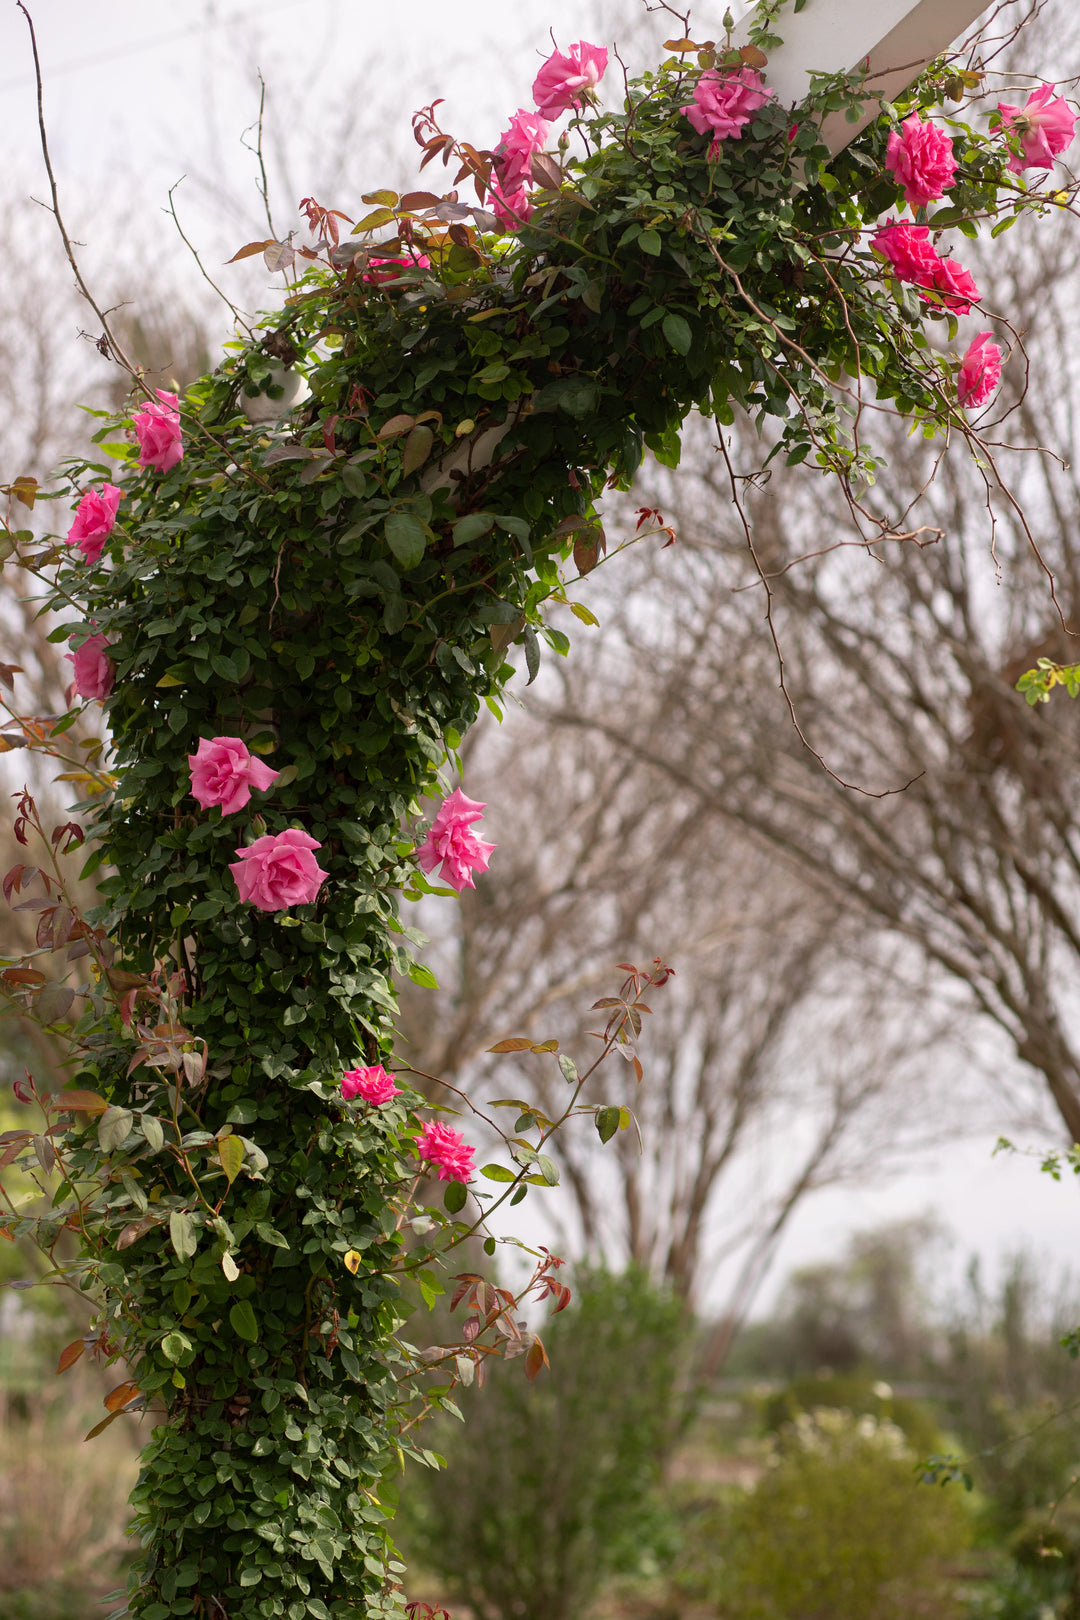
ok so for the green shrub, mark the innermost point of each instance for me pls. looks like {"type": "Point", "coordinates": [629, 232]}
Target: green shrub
{"type": "Point", "coordinates": [837, 1528]}
{"type": "Point", "coordinates": [552, 1486]}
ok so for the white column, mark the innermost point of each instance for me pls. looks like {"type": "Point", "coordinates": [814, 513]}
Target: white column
{"type": "Point", "coordinates": [899, 37]}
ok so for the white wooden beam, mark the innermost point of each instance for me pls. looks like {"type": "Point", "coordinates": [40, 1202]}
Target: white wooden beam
{"type": "Point", "coordinates": [898, 37]}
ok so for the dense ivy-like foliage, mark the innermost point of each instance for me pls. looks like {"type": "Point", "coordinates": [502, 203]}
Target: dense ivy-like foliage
{"type": "Point", "coordinates": [339, 589]}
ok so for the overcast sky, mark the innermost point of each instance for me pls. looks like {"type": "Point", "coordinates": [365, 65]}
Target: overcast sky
{"type": "Point", "coordinates": [138, 95]}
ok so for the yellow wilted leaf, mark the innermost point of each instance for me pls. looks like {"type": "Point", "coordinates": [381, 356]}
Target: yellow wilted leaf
{"type": "Point", "coordinates": [231, 1153]}
{"type": "Point", "coordinates": [352, 1261]}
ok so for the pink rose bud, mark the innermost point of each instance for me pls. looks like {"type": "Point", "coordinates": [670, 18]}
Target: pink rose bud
{"type": "Point", "coordinates": [921, 158]}
{"type": "Point", "coordinates": [94, 671]}
{"type": "Point", "coordinates": [566, 76]}
{"type": "Point", "coordinates": [372, 1083]}
{"type": "Point", "coordinates": [448, 1150]}
{"type": "Point", "coordinates": [95, 519]}
{"type": "Point", "coordinates": [1044, 124]}
{"type": "Point", "coordinates": [980, 371]}
{"type": "Point", "coordinates": [724, 103]}
{"type": "Point", "coordinates": [157, 428]}
{"type": "Point", "coordinates": [452, 842]}
{"type": "Point", "coordinates": [224, 772]}
{"type": "Point", "coordinates": [279, 871]}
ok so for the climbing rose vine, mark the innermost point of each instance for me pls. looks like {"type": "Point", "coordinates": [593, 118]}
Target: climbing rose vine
{"type": "Point", "coordinates": [329, 547]}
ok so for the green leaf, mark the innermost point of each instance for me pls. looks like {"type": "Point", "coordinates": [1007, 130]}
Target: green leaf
{"type": "Point", "coordinates": [417, 449]}
{"type": "Point", "coordinates": [407, 538]}
{"type": "Point", "coordinates": [548, 1169]}
{"type": "Point", "coordinates": [677, 331]}
{"type": "Point", "coordinates": [242, 1318]}
{"type": "Point", "coordinates": [230, 1267]}
{"type": "Point", "coordinates": [607, 1122]}
{"type": "Point", "coordinates": [532, 654]}
{"type": "Point", "coordinates": [497, 1172]}
{"type": "Point", "coordinates": [569, 1068]}
{"type": "Point", "coordinates": [183, 1235]}
{"type": "Point", "coordinates": [454, 1197]}
{"type": "Point", "coordinates": [175, 1345]}
{"type": "Point", "coordinates": [153, 1132]}
{"type": "Point", "coordinates": [419, 974]}
{"type": "Point", "coordinates": [471, 527]}
{"type": "Point", "coordinates": [649, 242]}
{"type": "Point", "coordinates": [114, 1127]}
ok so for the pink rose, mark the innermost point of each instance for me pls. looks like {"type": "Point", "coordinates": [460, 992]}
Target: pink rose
{"type": "Point", "coordinates": [1045, 127]}
{"type": "Point", "coordinates": [510, 211]}
{"type": "Point", "coordinates": [921, 158]}
{"type": "Point", "coordinates": [157, 428]}
{"type": "Point", "coordinates": [980, 371]}
{"type": "Point", "coordinates": [513, 155]}
{"type": "Point", "coordinates": [446, 1148]}
{"type": "Point", "coordinates": [372, 1083]}
{"type": "Point", "coordinates": [724, 103]}
{"type": "Point", "coordinates": [95, 519]}
{"type": "Point", "coordinates": [956, 286]}
{"type": "Point", "coordinates": [452, 842]}
{"type": "Point", "coordinates": [380, 269]}
{"type": "Point", "coordinates": [94, 672]}
{"type": "Point", "coordinates": [223, 772]}
{"type": "Point", "coordinates": [565, 76]}
{"type": "Point", "coordinates": [909, 251]}
{"type": "Point", "coordinates": [279, 871]}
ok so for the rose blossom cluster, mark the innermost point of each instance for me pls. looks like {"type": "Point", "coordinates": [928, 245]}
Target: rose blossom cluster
{"type": "Point", "coordinates": [914, 258]}
{"type": "Point", "coordinates": [563, 81]}
{"type": "Point", "coordinates": [452, 842]}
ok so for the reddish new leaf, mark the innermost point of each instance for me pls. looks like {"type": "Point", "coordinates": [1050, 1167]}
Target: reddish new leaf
{"type": "Point", "coordinates": [118, 1398]}
{"type": "Point", "coordinates": [535, 1358]}
{"type": "Point", "coordinates": [517, 1043]}
{"type": "Point", "coordinates": [70, 1354]}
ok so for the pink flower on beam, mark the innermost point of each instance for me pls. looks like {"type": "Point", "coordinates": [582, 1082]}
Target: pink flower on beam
{"type": "Point", "coordinates": [920, 157]}
{"type": "Point", "coordinates": [94, 670]}
{"type": "Point", "coordinates": [95, 519]}
{"type": "Point", "coordinates": [567, 76]}
{"type": "Point", "coordinates": [223, 772]}
{"type": "Point", "coordinates": [514, 153]}
{"type": "Point", "coordinates": [724, 103]}
{"type": "Point", "coordinates": [372, 1083]}
{"type": "Point", "coordinates": [279, 871]}
{"type": "Point", "coordinates": [446, 1148]}
{"type": "Point", "coordinates": [980, 371]}
{"type": "Point", "coordinates": [157, 428]}
{"type": "Point", "coordinates": [1045, 126]}
{"type": "Point", "coordinates": [452, 842]}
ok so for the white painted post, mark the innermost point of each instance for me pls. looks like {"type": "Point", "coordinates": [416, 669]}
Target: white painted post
{"type": "Point", "coordinates": [897, 38]}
